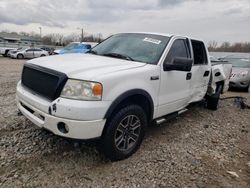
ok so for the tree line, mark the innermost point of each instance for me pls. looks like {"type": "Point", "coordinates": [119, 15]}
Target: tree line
{"type": "Point", "coordinates": [213, 46]}
{"type": "Point", "coordinates": [58, 39]}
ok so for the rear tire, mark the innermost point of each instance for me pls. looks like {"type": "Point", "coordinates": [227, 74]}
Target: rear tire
{"type": "Point", "coordinates": [42, 55]}
{"type": "Point", "coordinates": [124, 132]}
{"type": "Point", "coordinates": [20, 56]}
{"type": "Point", "coordinates": [6, 53]}
{"type": "Point", "coordinates": [248, 88]}
{"type": "Point", "coordinates": [213, 101]}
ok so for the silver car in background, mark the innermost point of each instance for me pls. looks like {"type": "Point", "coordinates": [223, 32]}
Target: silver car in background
{"type": "Point", "coordinates": [11, 52]}
{"type": "Point", "coordinates": [240, 77]}
{"type": "Point", "coordinates": [29, 53]}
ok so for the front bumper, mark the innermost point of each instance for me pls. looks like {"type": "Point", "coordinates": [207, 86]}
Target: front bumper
{"type": "Point", "coordinates": [240, 83]}
{"type": "Point", "coordinates": [13, 56]}
{"type": "Point", "coordinates": [77, 121]}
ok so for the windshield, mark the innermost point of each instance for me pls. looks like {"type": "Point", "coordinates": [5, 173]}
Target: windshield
{"type": "Point", "coordinates": [239, 62]}
{"type": "Point", "coordinates": [145, 48]}
{"type": "Point", "coordinates": [71, 46]}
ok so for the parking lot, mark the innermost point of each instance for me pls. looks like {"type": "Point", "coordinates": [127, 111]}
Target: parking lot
{"type": "Point", "coordinates": [201, 148]}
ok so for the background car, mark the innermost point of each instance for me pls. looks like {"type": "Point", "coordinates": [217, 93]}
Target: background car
{"type": "Point", "coordinates": [240, 77]}
{"type": "Point", "coordinates": [14, 51]}
{"type": "Point", "coordinates": [29, 53]}
{"type": "Point", "coordinates": [75, 47]}
{"type": "Point", "coordinates": [49, 50]}
{"type": "Point", "coordinates": [216, 60]}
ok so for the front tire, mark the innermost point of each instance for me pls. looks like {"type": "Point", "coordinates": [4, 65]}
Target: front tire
{"type": "Point", "coordinates": [20, 56]}
{"type": "Point", "coordinates": [124, 132]}
{"type": "Point", "coordinates": [213, 100]}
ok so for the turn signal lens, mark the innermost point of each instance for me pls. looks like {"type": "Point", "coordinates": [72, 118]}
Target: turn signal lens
{"type": "Point", "coordinates": [97, 89]}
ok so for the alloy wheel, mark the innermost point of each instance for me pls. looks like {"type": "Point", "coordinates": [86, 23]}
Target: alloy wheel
{"type": "Point", "coordinates": [127, 133]}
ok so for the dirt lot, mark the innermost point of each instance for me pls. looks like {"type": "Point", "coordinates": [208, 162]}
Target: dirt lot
{"type": "Point", "coordinates": [195, 150]}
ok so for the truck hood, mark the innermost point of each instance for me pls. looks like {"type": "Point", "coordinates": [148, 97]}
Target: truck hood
{"type": "Point", "coordinates": [84, 66]}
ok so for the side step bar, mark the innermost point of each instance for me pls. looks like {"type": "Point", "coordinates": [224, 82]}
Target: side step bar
{"type": "Point", "coordinates": [170, 116]}
{"type": "Point", "coordinates": [182, 111]}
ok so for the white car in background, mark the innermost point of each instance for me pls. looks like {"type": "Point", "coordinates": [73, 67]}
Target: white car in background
{"type": "Point", "coordinates": [29, 53]}
{"type": "Point", "coordinates": [240, 77]}
{"type": "Point", "coordinates": [14, 51]}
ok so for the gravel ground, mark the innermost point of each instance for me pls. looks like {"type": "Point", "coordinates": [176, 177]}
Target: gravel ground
{"type": "Point", "coordinates": [201, 148]}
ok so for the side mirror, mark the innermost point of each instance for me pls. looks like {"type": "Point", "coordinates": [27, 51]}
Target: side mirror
{"type": "Point", "coordinates": [179, 64]}
{"type": "Point", "coordinates": [88, 46]}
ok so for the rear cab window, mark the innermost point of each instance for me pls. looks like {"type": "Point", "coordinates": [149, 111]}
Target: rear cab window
{"type": "Point", "coordinates": [200, 54]}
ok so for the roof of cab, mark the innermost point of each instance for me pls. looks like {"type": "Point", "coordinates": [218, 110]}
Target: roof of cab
{"type": "Point", "coordinates": [166, 35]}
{"type": "Point", "coordinates": [150, 33]}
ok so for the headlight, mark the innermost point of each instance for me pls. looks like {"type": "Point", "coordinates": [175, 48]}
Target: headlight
{"type": "Point", "coordinates": [82, 90]}
{"type": "Point", "coordinates": [244, 73]}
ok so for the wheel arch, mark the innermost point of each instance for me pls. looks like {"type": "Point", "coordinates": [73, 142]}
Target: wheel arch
{"type": "Point", "coordinates": [20, 54]}
{"type": "Point", "coordinates": [6, 51]}
{"type": "Point", "coordinates": [220, 83]}
{"type": "Point", "coordinates": [136, 96]}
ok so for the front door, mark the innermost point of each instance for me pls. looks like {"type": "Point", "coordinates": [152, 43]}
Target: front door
{"type": "Point", "coordinates": [175, 90]}
{"type": "Point", "coordinates": [29, 53]}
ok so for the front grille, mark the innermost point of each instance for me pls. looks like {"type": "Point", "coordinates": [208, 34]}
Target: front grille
{"type": "Point", "coordinates": [45, 82]}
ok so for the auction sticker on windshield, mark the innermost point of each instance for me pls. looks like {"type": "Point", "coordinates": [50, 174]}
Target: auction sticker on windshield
{"type": "Point", "coordinates": [155, 41]}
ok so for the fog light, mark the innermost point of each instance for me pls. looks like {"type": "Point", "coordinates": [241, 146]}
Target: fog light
{"type": "Point", "coordinates": [62, 127]}
{"type": "Point", "coordinates": [243, 83]}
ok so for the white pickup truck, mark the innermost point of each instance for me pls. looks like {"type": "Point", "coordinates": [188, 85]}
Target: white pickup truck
{"type": "Point", "coordinates": [4, 50]}
{"type": "Point", "coordinates": [119, 87]}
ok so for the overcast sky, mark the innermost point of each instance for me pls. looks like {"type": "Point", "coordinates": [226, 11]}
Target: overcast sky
{"type": "Point", "coordinates": [221, 20]}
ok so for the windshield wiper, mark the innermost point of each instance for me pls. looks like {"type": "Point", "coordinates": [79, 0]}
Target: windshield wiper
{"type": "Point", "coordinates": [122, 56]}
{"type": "Point", "coordinates": [92, 52]}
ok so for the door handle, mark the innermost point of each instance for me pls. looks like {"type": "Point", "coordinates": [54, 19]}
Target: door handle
{"type": "Point", "coordinates": [154, 78]}
{"type": "Point", "coordinates": [206, 73]}
{"type": "Point", "coordinates": [189, 76]}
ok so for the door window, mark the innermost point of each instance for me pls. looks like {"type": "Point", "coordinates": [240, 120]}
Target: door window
{"type": "Point", "coordinates": [200, 56]}
{"type": "Point", "coordinates": [37, 50]}
{"type": "Point", "coordinates": [178, 49]}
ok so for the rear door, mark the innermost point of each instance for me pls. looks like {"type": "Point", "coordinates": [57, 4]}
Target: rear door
{"type": "Point", "coordinates": [201, 71]}
{"type": "Point", "coordinates": [175, 86]}
{"type": "Point", "coordinates": [37, 52]}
